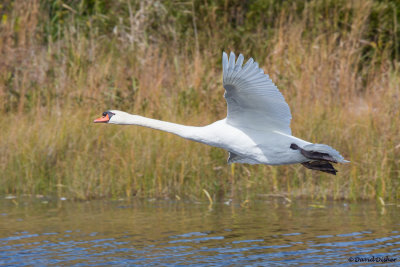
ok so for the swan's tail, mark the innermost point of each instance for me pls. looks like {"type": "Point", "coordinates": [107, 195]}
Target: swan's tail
{"type": "Point", "coordinates": [320, 157]}
{"type": "Point", "coordinates": [322, 152]}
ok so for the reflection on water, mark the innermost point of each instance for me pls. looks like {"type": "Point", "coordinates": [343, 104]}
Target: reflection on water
{"type": "Point", "coordinates": [170, 233]}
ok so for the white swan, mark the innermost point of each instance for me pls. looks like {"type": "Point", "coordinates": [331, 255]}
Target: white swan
{"type": "Point", "coordinates": [256, 129]}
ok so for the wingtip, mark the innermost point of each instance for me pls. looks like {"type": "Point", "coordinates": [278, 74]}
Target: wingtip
{"type": "Point", "coordinates": [224, 56]}
{"type": "Point", "coordinates": [240, 60]}
{"type": "Point", "coordinates": [232, 58]}
{"type": "Point", "coordinates": [249, 62]}
{"type": "Point", "coordinates": [225, 61]}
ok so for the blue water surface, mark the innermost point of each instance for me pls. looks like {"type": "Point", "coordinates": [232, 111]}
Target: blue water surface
{"type": "Point", "coordinates": [169, 233]}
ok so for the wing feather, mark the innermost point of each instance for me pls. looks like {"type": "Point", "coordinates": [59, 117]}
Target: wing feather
{"type": "Point", "coordinates": [253, 99]}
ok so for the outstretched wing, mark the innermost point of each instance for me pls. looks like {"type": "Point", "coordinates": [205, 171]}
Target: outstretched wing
{"type": "Point", "coordinates": [253, 99]}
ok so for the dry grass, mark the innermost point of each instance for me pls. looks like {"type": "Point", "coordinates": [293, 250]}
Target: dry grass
{"type": "Point", "coordinates": [50, 93]}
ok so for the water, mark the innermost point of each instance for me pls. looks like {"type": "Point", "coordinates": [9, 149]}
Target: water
{"type": "Point", "coordinates": [260, 233]}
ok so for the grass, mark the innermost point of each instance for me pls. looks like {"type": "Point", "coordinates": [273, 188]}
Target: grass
{"type": "Point", "coordinates": [63, 64]}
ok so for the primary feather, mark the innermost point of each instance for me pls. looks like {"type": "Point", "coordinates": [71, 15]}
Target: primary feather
{"type": "Point", "coordinates": [253, 99]}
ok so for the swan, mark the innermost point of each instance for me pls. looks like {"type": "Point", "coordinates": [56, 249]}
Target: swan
{"type": "Point", "coordinates": [256, 129]}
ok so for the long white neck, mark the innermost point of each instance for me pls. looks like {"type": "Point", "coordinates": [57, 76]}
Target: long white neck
{"type": "Point", "coordinates": [123, 118]}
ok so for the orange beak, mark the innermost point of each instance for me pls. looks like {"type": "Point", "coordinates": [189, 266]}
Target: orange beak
{"type": "Point", "coordinates": [103, 119]}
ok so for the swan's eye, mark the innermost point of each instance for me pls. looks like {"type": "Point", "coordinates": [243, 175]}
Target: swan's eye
{"type": "Point", "coordinates": [104, 114]}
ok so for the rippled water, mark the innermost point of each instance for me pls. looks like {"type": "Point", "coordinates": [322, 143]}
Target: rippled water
{"type": "Point", "coordinates": [175, 232]}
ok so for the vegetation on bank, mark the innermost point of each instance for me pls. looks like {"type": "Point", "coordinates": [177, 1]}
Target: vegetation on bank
{"type": "Point", "coordinates": [64, 62]}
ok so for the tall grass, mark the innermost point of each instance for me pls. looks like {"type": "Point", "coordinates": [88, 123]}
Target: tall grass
{"type": "Point", "coordinates": [63, 63]}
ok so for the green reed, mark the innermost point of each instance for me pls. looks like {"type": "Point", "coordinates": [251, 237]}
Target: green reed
{"type": "Point", "coordinates": [63, 64]}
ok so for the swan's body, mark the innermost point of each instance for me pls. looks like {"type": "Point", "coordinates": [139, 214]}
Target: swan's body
{"type": "Point", "coordinates": [257, 127]}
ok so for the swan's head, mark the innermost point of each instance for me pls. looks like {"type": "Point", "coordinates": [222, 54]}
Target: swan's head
{"type": "Point", "coordinates": [107, 117]}
{"type": "Point", "coordinates": [115, 117]}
